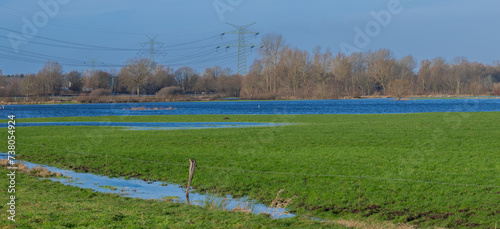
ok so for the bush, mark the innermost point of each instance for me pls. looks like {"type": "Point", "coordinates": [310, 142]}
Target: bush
{"type": "Point", "coordinates": [168, 92]}
{"type": "Point", "coordinates": [496, 89]}
{"type": "Point", "coordinates": [99, 92]}
{"type": "Point", "coordinates": [399, 88]}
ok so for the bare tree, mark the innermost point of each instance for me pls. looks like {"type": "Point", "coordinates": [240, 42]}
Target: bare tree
{"type": "Point", "coordinates": [211, 80]}
{"type": "Point", "coordinates": [75, 81]}
{"type": "Point", "coordinates": [321, 73]}
{"type": "Point", "coordinates": [383, 69]}
{"type": "Point", "coordinates": [361, 80]}
{"type": "Point", "coordinates": [405, 71]}
{"type": "Point", "coordinates": [459, 73]}
{"type": "Point", "coordinates": [295, 65]}
{"type": "Point", "coordinates": [424, 76]}
{"type": "Point", "coordinates": [321, 69]}
{"type": "Point", "coordinates": [440, 72]}
{"type": "Point", "coordinates": [185, 78]}
{"type": "Point", "coordinates": [52, 78]}
{"type": "Point", "coordinates": [100, 79]}
{"type": "Point", "coordinates": [272, 47]}
{"type": "Point", "coordinates": [29, 85]}
{"type": "Point", "coordinates": [14, 88]}
{"type": "Point", "coordinates": [254, 83]}
{"type": "Point", "coordinates": [399, 88]}
{"type": "Point", "coordinates": [161, 78]}
{"type": "Point", "coordinates": [136, 73]}
{"type": "Point", "coordinates": [342, 70]}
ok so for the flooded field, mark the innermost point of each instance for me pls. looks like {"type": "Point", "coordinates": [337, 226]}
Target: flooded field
{"type": "Point", "coordinates": [135, 188]}
{"type": "Point", "coordinates": [152, 125]}
{"type": "Point", "coordinates": [360, 106]}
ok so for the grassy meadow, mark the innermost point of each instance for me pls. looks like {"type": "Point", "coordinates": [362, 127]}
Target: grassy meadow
{"type": "Point", "coordinates": [428, 169]}
{"type": "Point", "coordinates": [47, 204]}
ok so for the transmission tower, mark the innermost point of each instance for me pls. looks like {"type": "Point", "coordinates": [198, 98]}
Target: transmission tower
{"type": "Point", "coordinates": [152, 49]}
{"type": "Point", "coordinates": [242, 58]}
{"type": "Point", "coordinates": [92, 63]}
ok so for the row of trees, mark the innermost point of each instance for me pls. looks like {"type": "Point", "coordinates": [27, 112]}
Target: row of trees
{"type": "Point", "coordinates": [137, 77]}
{"type": "Point", "coordinates": [280, 71]}
{"type": "Point", "coordinates": [283, 71]}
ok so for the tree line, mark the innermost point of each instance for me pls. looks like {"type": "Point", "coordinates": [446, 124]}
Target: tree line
{"type": "Point", "coordinates": [137, 77]}
{"type": "Point", "coordinates": [280, 71]}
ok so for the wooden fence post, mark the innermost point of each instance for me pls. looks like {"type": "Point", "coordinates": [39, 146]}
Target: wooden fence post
{"type": "Point", "coordinates": [192, 167]}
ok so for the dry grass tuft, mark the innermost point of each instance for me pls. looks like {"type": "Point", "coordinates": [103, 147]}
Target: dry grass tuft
{"type": "Point", "coordinates": [278, 205]}
{"type": "Point", "coordinates": [22, 167]}
{"type": "Point", "coordinates": [243, 207]}
{"type": "Point", "coordinates": [37, 171]}
{"type": "Point", "coordinates": [151, 109]}
{"type": "Point", "coordinates": [279, 202]}
{"type": "Point", "coordinates": [372, 225]}
{"type": "Point", "coordinates": [4, 163]}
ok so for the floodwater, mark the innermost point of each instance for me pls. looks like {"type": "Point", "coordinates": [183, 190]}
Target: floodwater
{"type": "Point", "coordinates": [356, 106]}
{"type": "Point", "coordinates": [152, 125]}
{"type": "Point", "coordinates": [135, 188]}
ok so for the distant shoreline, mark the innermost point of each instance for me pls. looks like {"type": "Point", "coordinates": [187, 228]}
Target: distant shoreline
{"type": "Point", "coordinates": [153, 99]}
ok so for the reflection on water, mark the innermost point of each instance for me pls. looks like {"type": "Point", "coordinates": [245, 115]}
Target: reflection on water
{"type": "Point", "coordinates": [150, 190]}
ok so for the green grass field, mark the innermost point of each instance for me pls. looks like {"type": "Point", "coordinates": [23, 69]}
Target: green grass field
{"type": "Point", "coordinates": [46, 204]}
{"type": "Point", "coordinates": [432, 169]}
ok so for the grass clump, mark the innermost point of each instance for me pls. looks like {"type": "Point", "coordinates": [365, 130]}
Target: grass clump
{"type": "Point", "coordinates": [112, 188]}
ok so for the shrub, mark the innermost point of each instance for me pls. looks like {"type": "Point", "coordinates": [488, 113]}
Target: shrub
{"type": "Point", "coordinates": [496, 89]}
{"type": "Point", "coordinates": [99, 92]}
{"type": "Point", "coordinates": [167, 92]}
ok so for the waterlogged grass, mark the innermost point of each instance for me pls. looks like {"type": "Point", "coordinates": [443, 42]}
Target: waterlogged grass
{"type": "Point", "coordinates": [47, 204]}
{"type": "Point", "coordinates": [432, 169]}
{"type": "Point", "coordinates": [113, 188]}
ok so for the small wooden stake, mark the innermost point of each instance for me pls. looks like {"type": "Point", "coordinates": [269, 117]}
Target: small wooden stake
{"type": "Point", "coordinates": [192, 167]}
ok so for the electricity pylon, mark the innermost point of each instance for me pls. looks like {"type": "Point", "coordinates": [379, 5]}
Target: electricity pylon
{"type": "Point", "coordinates": [151, 51]}
{"type": "Point", "coordinates": [92, 63]}
{"type": "Point", "coordinates": [242, 58]}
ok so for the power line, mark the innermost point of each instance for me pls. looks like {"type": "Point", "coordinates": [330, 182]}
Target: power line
{"type": "Point", "coordinates": [64, 23]}
{"type": "Point", "coordinates": [43, 56]}
{"type": "Point", "coordinates": [71, 43]}
{"type": "Point", "coordinates": [201, 53]}
{"type": "Point", "coordinates": [76, 47]}
{"type": "Point", "coordinates": [102, 48]}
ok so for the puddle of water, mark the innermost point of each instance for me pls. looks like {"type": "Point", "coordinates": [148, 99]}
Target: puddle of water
{"type": "Point", "coordinates": [149, 190]}
{"type": "Point", "coordinates": [153, 125]}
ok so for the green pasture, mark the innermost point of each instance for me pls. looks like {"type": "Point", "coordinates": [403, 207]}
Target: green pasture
{"type": "Point", "coordinates": [428, 169]}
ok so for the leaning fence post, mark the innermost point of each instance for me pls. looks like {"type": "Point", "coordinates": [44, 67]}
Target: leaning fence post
{"type": "Point", "coordinates": [192, 167]}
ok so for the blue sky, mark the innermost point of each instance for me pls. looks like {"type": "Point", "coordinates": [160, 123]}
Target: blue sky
{"type": "Point", "coordinates": [110, 31]}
